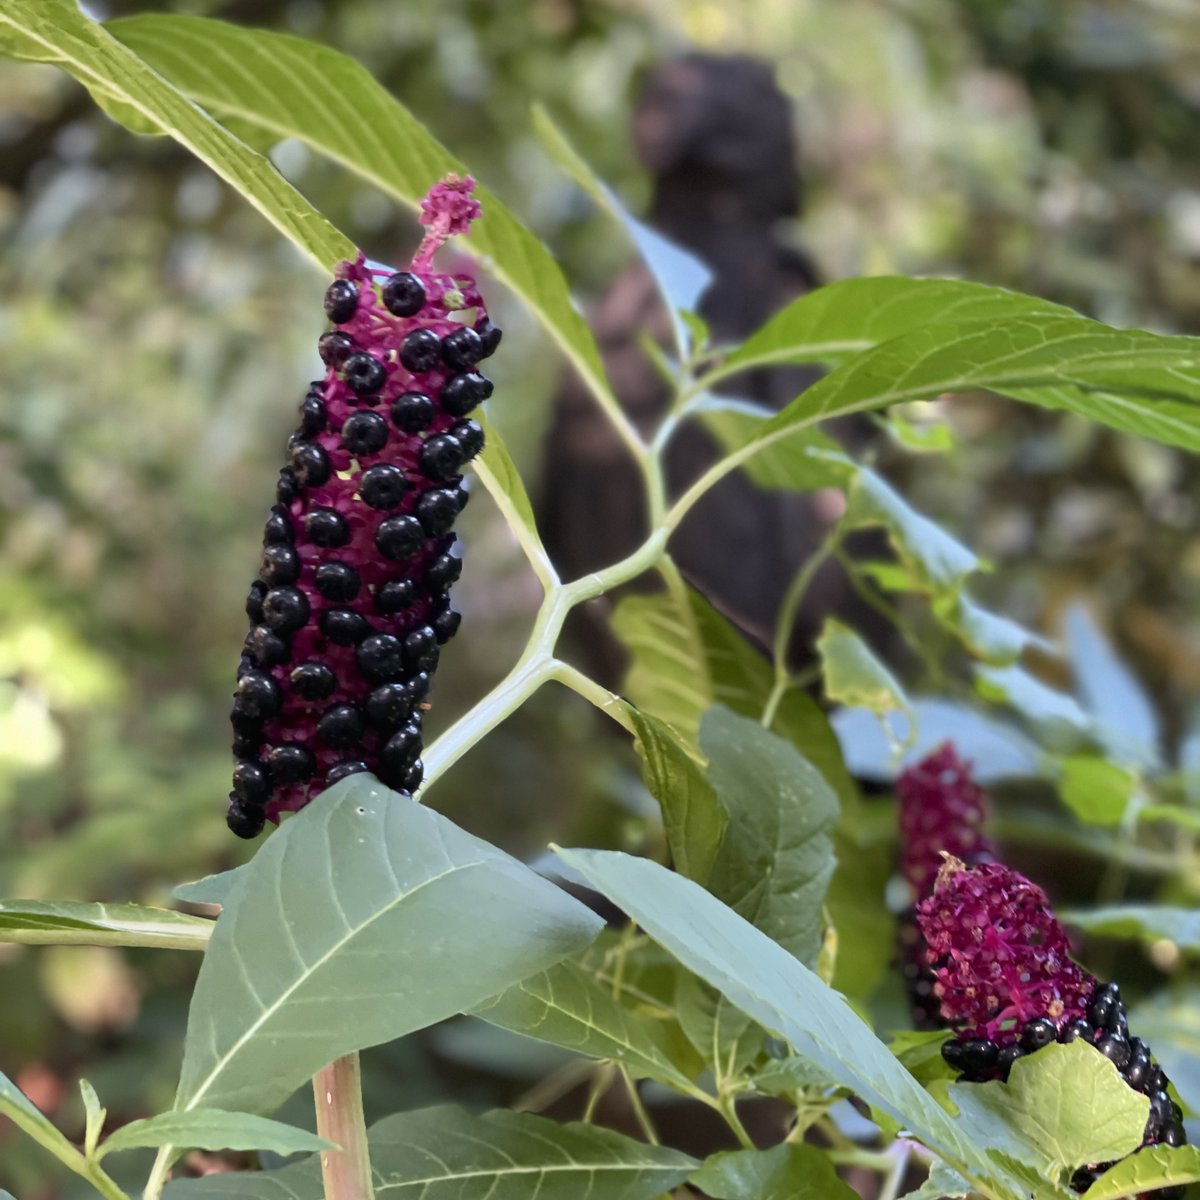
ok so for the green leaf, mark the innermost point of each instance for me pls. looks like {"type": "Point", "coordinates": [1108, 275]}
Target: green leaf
{"type": "Point", "coordinates": [807, 461]}
{"type": "Point", "coordinates": [1150, 923]}
{"type": "Point", "coordinates": [1057, 718]}
{"type": "Point", "coordinates": [921, 1054]}
{"type": "Point", "coordinates": [1138, 382]}
{"type": "Point", "coordinates": [67, 38]}
{"type": "Point", "coordinates": [95, 1116]}
{"type": "Point", "coordinates": [779, 992]}
{"type": "Point", "coordinates": [776, 860]}
{"type": "Point", "coordinates": [297, 88]}
{"type": "Point", "coordinates": [72, 923]}
{"type": "Point", "coordinates": [364, 917]}
{"type": "Point", "coordinates": [1147, 1170]}
{"type": "Point", "coordinates": [724, 1036]}
{"type": "Point", "coordinates": [28, 1118]}
{"type": "Point", "coordinates": [212, 889]}
{"type": "Point", "coordinates": [679, 277]}
{"type": "Point", "coordinates": [1068, 1100]}
{"type": "Point", "coordinates": [213, 1129]}
{"type": "Point", "coordinates": [1125, 721]}
{"type": "Point", "coordinates": [785, 1172]}
{"type": "Point", "coordinates": [854, 676]}
{"type": "Point", "coordinates": [841, 320]}
{"type": "Point", "coordinates": [446, 1153]}
{"type": "Point", "coordinates": [944, 1183]}
{"type": "Point", "coordinates": [498, 473]}
{"type": "Point", "coordinates": [996, 639]}
{"type": "Point", "coordinates": [935, 560]}
{"type": "Point", "coordinates": [783, 1076]}
{"type": "Point", "coordinates": [568, 1006]}
{"type": "Point", "coordinates": [693, 816]}
{"type": "Point", "coordinates": [1095, 790]}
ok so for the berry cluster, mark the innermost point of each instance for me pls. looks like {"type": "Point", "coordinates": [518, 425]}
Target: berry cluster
{"type": "Point", "coordinates": [351, 603]}
{"type": "Point", "coordinates": [941, 810]}
{"type": "Point", "coordinates": [1005, 982]}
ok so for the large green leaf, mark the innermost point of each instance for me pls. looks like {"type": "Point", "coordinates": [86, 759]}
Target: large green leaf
{"type": "Point", "coordinates": [785, 1172]}
{"type": "Point", "coordinates": [299, 89]}
{"type": "Point", "coordinates": [853, 674]}
{"type": "Point", "coordinates": [1096, 790]}
{"type": "Point", "coordinates": [568, 1006]}
{"type": "Point", "coordinates": [693, 816]}
{"type": "Point", "coordinates": [446, 1153]}
{"type": "Point", "coordinates": [72, 923]}
{"type": "Point", "coordinates": [853, 315]}
{"type": "Point", "coordinates": [213, 1129]}
{"type": "Point", "coordinates": [776, 860]}
{"type": "Point", "coordinates": [1150, 923]}
{"type": "Point", "coordinates": [1138, 382]}
{"type": "Point", "coordinates": [778, 991]}
{"type": "Point", "coordinates": [56, 31]}
{"type": "Point", "coordinates": [365, 917]}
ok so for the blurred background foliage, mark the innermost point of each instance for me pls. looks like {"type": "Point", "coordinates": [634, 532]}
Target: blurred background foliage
{"type": "Point", "coordinates": [155, 337]}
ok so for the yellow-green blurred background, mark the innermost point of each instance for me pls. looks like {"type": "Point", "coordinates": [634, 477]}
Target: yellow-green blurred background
{"type": "Point", "coordinates": [156, 335]}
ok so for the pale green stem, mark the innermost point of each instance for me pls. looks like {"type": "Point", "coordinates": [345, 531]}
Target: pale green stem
{"type": "Point", "coordinates": [159, 1173]}
{"type": "Point", "coordinates": [607, 702]}
{"type": "Point", "coordinates": [728, 1105]}
{"type": "Point", "coordinates": [337, 1092]}
{"type": "Point", "coordinates": [639, 1109]}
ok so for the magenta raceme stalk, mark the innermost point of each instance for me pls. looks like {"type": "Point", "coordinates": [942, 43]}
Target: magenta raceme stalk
{"type": "Point", "coordinates": [1006, 983]}
{"type": "Point", "coordinates": [941, 810]}
{"type": "Point", "coordinates": [352, 601]}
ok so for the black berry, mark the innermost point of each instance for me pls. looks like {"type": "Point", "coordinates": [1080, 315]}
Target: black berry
{"type": "Point", "coordinates": [341, 301]}
{"type": "Point", "coordinates": [489, 337]}
{"type": "Point", "coordinates": [251, 783]}
{"type": "Point", "coordinates": [420, 351]}
{"type": "Point", "coordinates": [246, 820]}
{"type": "Point", "coordinates": [1076, 1030]}
{"type": "Point", "coordinates": [446, 624]}
{"type": "Point", "coordinates": [267, 647]}
{"type": "Point", "coordinates": [254, 600]}
{"type": "Point", "coordinates": [470, 437]}
{"type": "Point", "coordinates": [278, 529]}
{"type": "Point", "coordinates": [344, 626]}
{"type": "Point", "coordinates": [313, 681]}
{"type": "Point", "coordinates": [280, 565]}
{"type": "Point", "coordinates": [341, 726]}
{"type": "Point", "coordinates": [441, 456]}
{"type": "Point", "coordinates": [381, 656]}
{"type": "Point", "coordinates": [287, 488]}
{"type": "Point", "coordinates": [337, 581]}
{"type": "Point", "coordinates": [1116, 1049]}
{"type": "Point", "coordinates": [389, 704]}
{"type": "Point", "coordinates": [421, 649]}
{"type": "Point", "coordinates": [412, 778]}
{"type": "Point", "coordinates": [399, 753]}
{"type": "Point", "coordinates": [383, 485]}
{"type": "Point", "coordinates": [313, 417]}
{"type": "Point", "coordinates": [462, 349]}
{"type": "Point", "coordinates": [464, 392]}
{"type": "Point", "coordinates": [285, 609]}
{"type": "Point", "coordinates": [413, 412]}
{"type": "Point", "coordinates": [327, 528]}
{"type": "Point", "coordinates": [342, 770]}
{"type": "Point", "coordinates": [437, 509]}
{"type": "Point", "coordinates": [399, 538]}
{"type": "Point", "coordinates": [1038, 1033]}
{"type": "Point", "coordinates": [404, 294]}
{"type": "Point", "coordinates": [443, 571]}
{"type": "Point", "coordinates": [334, 347]}
{"type": "Point", "coordinates": [364, 373]}
{"type": "Point", "coordinates": [364, 433]}
{"type": "Point", "coordinates": [290, 764]}
{"type": "Point", "coordinates": [257, 696]}
{"type": "Point", "coordinates": [310, 464]}
{"type": "Point", "coordinates": [395, 595]}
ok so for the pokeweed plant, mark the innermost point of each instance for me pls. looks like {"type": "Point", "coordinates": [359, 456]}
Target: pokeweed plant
{"type": "Point", "coordinates": [743, 971]}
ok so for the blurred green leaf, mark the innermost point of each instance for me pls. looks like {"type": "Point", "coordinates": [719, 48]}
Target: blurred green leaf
{"type": "Point", "coordinates": [568, 1006]}
{"type": "Point", "coordinates": [845, 318]}
{"type": "Point", "coordinates": [694, 817]}
{"type": "Point", "coordinates": [446, 1153]}
{"type": "Point", "coordinates": [785, 1075]}
{"type": "Point", "coordinates": [679, 276]}
{"type": "Point", "coordinates": [944, 1183]}
{"type": "Point", "coordinates": [1055, 716]}
{"type": "Point", "coordinates": [785, 1172]}
{"type": "Point", "coordinates": [297, 88]}
{"type": "Point", "coordinates": [854, 676]}
{"type": "Point", "coordinates": [324, 932]}
{"type": "Point", "coordinates": [1148, 922]}
{"type": "Point", "coordinates": [72, 923]}
{"type": "Point", "coordinates": [996, 639]}
{"type": "Point", "coordinates": [1125, 721]}
{"type": "Point", "coordinates": [921, 1054]}
{"type": "Point", "coordinates": [69, 39]}
{"type": "Point", "coordinates": [1095, 790]}
{"type": "Point", "coordinates": [213, 1129]}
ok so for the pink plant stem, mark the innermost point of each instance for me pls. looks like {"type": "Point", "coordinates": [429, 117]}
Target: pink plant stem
{"type": "Point", "coordinates": [346, 1171]}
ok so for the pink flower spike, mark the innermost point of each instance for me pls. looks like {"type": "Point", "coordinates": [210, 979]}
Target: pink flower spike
{"type": "Point", "coordinates": [446, 211]}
